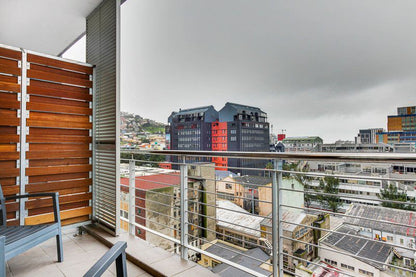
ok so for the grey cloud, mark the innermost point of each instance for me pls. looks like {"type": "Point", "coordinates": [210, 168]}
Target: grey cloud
{"type": "Point", "coordinates": [317, 67]}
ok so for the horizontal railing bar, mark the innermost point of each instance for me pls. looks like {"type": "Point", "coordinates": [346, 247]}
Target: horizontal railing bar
{"type": "Point", "coordinates": [312, 192]}
{"type": "Point", "coordinates": [311, 156]}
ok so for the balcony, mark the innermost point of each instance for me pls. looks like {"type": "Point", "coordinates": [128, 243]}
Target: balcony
{"type": "Point", "coordinates": [60, 132]}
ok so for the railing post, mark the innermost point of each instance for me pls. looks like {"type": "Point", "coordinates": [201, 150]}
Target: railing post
{"type": "Point", "coordinates": [184, 210]}
{"type": "Point", "coordinates": [132, 196]}
{"type": "Point", "coordinates": [277, 232]}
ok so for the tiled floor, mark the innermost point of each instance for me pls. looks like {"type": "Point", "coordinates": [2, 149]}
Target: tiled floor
{"type": "Point", "coordinates": [80, 253]}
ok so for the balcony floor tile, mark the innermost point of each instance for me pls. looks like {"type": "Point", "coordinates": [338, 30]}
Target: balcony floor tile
{"type": "Point", "coordinates": [80, 253]}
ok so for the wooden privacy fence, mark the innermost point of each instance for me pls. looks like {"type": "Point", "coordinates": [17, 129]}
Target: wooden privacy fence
{"type": "Point", "coordinates": [45, 135]}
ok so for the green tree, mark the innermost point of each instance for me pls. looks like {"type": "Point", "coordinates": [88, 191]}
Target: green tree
{"type": "Point", "coordinates": [329, 185]}
{"type": "Point", "coordinates": [143, 159]}
{"type": "Point", "coordinates": [392, 193]}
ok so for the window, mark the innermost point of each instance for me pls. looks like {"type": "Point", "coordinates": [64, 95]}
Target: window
{"type": "Point", "coordinates": [401, 241]}
{"type": "Point", "coordinates": [389, 238]}
{"type": "Point", "coordinates": [331, 262]}
{"type": "Point", "coordinates": [139, 231]}
{"type": "Point", "coordinates": [407, 262]}
{"type": "Point", "coordinates": [139, 210]}
{"type": "Point", "coordinates": [228, 186]}
{"type": "Point", "coordinates": [347, 267]}
{"type": "Point", "coordinates": [364, 272]}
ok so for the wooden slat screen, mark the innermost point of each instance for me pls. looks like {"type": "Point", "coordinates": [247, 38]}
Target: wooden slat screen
{"type": "Point", "coordinates": [58, 140]}
{"type": "Point", "coordinates": [10, 72]}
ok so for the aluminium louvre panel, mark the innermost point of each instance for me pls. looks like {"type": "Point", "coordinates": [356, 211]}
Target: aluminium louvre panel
{"type": "Point", "coordinates": [103, 51]}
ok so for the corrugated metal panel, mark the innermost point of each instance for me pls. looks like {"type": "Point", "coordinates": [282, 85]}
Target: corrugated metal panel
{"type": "Point", "coordinates": [103, 31]}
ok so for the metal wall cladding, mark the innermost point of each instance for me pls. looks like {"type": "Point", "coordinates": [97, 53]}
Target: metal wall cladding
{"type": "Point", "coordinates": [103, 51]}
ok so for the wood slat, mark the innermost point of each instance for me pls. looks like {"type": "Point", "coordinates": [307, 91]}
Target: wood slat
{"type": "Point", "coordinates": [9, 86]}
{"type": "Point", "coordinates": [58, 117]}
{"type": "Point", "coordinates": [9, 67]}
{"type": "Point", "coordinates": [32, 155]}
{"type": "Point", "coordinates": [9, 101]}
{"type": "Point", "coordinates": [8, 79]}
{"type": "Point", "coordinates": [58, 177]}
{"type": "Point", "coordinates": [58, 101]}
{"type": "Point", "coordinates": [5, 130]}
{"type": "Point", "coordinates": [57, 124]}
{"type": "Point", "coordinates": [4, 52]}
{"type": "Point", "coordinates": [36, 171]}
{"type": "Point", "coordinates": [7, 164]}
{"type": "Point", "coordinates": [9, 118]}
{"type": "Point", "coordinates": [7, 182]}
{"type": "Point", "coordinates": [59, 71]}
{"type": "Point", "coordinates": [65, 199]}
{"type": "Point", "coordinates": [12, 207]}
{"type": "Point", "coordinates": [55, 162]}
{"type": "Point", "coordinates": [58, 90]}
{"type": "Point", "coordinates": [75, 220]}
{"type": "Point", "coordinates": [45, 218]}
{"type": "Point", "coordinates": [32, 58]}
{"type": "Point", "coordinates": [7, 148]}
{"type": "Point", "coordinates": [33, 106]}
{"type": "Point", "coordinates": [58, 186]}
{"type": "Point", "coordinates": [11, 155]}
{"type": "Point", "coordinates": [62, 207]}
{"type": "Point", "coordinates": [52, 77]}
{"type": "Point", "coordinates": [58, 132]}
{"type": "Point", "coordinates": [56, 139]}
{"type": "Point", "coordinates": [8, 138]}
{"type": "Point", "coordinates": [55, 147]}
{"type": "Point", "coordinates": [11, 190]}
{"type": "Point", "coordinates": [9, 172]}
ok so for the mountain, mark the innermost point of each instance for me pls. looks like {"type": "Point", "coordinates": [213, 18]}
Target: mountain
{"type": "Point", "coordinates": [132, 123]}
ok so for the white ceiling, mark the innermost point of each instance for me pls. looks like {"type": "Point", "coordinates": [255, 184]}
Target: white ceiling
{"type": "Point", "coordinates": [46, 26]}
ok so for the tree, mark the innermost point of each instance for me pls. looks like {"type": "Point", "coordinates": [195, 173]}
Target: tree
{"type": "Point", "coordinates": [392, 193]}
{"type": "Point", "coordinates": [143, 159]}
{"type": "Point", "coordinates": [329, 185]}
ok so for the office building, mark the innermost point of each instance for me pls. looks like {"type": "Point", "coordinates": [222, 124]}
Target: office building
{"type": "Point", "coordinates": [400, 127]}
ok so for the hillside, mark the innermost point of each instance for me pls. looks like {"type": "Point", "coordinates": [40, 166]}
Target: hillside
{"type": "Point", "coordinates": [131, 123]}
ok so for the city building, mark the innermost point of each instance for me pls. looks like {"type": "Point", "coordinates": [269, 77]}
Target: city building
{"type": "Point", "coordinates": [255, 259]}
{"type": "Point", "coordinates": [400, 127]}
{"type": "Point", "coordinates": [350, 146]}
{"type": "Point", "coordinates": [302, 144]}
{"type": "Point", "coordinates": [247, 130]}
{"type": "Point", "coordinates": [360, 251]}
{"type": "Point", "coordinates": [234, 128]}
{"type": "Point", "coordinates": [237, 226]}
{"type": "Point", "coordinates": [154, 187]}
{"type": "Point", "coordinates": [368, 136]}
{"type": "Point", "coordinates": [300, 234]}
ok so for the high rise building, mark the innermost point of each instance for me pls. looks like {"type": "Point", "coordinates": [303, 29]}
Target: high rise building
{"type": "Point", "coordinates": [234, 128]}
{"type": "Point", "coordinates": [400, 127]}
{"type": "Point", "coordinates": [368, 136]}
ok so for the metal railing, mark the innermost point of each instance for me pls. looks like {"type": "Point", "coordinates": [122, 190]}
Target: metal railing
{"type": "Point", "coordinates": [184, 211]}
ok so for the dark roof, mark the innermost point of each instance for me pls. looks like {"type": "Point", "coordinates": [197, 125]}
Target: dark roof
{"type": "Point", "coordinates": [223, 250]}
{"type": "Point", "coordinates": [194, 110]}
{"type": "Point", "coordinates": [361, 247]}
{"type": "Point", "coordinates": [241, 108]}
{"type": "Point", "coordinates": [382, 214]}
{"type": "Point", "coordinates": [229, 271]}
{"type": "Point", "coordinates": [248, 180]}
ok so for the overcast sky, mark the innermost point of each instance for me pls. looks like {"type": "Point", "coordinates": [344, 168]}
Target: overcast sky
{"type": "Point", "coordinates": [325, 68]}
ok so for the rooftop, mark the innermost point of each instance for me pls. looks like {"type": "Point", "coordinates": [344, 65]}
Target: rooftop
{"type": "Point", "coordinates": [361, 247]}
{"type": "Point", "coordinates": [229, 271]}
{"type": "Point", "coordinates": [294, 216]}
{"type": "Point", "coordinates": [234, 215]}
{"type": "Point", "coordinates": [382, 214]}
{"type": "Point", "coordinates": [249, 180]}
